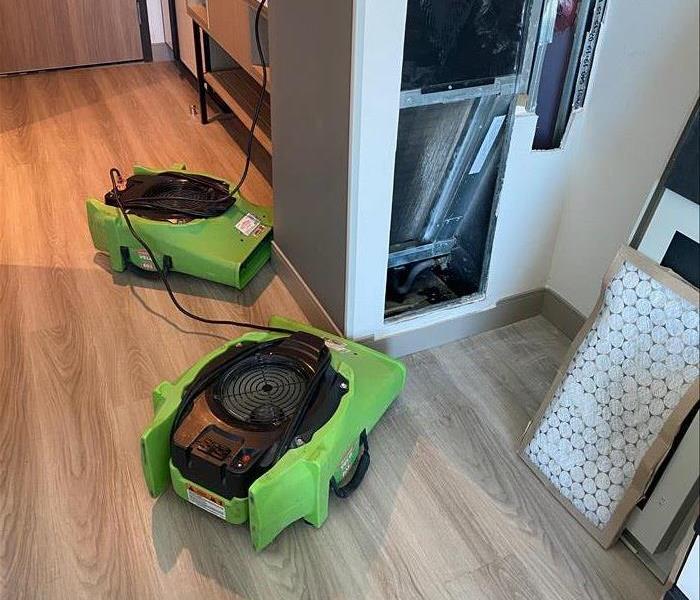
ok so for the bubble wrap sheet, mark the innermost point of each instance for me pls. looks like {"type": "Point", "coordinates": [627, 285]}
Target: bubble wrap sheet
{"type": "Point", "coordinates": [627, 376]}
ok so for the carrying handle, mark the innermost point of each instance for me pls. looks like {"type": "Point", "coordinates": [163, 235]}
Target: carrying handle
{"type": "Point", "coordinates": [358, 475]}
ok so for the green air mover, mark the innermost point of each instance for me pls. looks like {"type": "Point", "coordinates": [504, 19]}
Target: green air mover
{"type": "Point", "coordinates": [262, 429]}
{"type": "Point", "coordinates": [189, 221]}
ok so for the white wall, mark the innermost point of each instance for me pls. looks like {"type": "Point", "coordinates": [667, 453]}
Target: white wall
{"type": "Point", "coordinates": [562, 213]}
{"type": "Point", "coordinates": [688, 579]}
{"type": "Point", "coordinates": [378, 31]}
{"type": "Point", "coordinates": [643, 88]}
{"type": "Point", "coordinates": [155, 21]}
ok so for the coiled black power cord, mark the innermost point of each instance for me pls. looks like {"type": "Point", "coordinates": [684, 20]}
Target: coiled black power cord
{"type": "Point", "coordinates": [137, 203]}
{"type": "Point", "coordinates": [211, 198]}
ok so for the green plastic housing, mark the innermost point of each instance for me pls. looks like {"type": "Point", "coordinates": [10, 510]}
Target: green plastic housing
{"type": "Point", "coordinates": [211, 249]}
{"type": "Point", "coordinates": [297, 486]}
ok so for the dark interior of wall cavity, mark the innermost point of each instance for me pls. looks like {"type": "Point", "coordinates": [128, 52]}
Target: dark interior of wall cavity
{"type": "Point", "coordinates": [566, 68]}
{"type": "Point", "coordinates": [462, 142]}
{"type": "Point", "coordinates": [461, 42]}
{"type": "Point", "coordinates": [463, 56]}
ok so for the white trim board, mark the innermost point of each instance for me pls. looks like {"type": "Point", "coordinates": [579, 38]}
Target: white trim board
{"type": "Point", "coordinates": [378, 37]}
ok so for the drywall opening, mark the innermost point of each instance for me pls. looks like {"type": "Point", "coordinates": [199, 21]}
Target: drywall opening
{"type": "Point", "coordinates": [448, 162]}
{"type": "Point", "coordinates": [565, 68]}
{"type": "Point", "coordinates": [463, 66]}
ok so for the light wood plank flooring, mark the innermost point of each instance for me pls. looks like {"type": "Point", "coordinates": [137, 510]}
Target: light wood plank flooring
{"type": "Point", "coordinates": [447, 509]}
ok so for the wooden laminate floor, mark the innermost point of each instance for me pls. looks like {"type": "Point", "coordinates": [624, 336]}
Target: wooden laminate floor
{"type": "Point", "coordinates": [447, 509]}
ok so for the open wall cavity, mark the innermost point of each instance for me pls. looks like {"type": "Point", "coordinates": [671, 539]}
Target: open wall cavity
{"type": "Point", "coordinates": [567, 59]}
{"type": "Point", "coordinates": [462, 70]}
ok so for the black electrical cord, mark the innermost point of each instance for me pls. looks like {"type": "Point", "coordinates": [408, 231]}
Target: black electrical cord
{"type": "Point", "coordinates": [212, 200]}
{"type": "Point", "coordinates": [175, 207]}
{"type": "Point", "coordinates": [116, 178]}
{"type": "Point", "coordinates": [261, 98]}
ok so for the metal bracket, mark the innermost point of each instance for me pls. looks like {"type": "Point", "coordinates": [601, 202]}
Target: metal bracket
{"type": "Point", "coordinates": [414, 98]}
{"type": "Point", "coordinates": [422, 252]}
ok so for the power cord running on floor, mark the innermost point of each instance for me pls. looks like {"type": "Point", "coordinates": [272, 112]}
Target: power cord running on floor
{"type": "Point", "coordinates": [211, 208]}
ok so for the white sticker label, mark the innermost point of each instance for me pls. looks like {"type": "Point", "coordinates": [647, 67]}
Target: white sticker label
{"type": "Point", "coordinates": [206, 502]}
{"type": "Point", "coordinates": [346, 462]}
{"type": "Point", "coordinates": [248, 224]}
{"type": "Point", "coordinates": [337, 346]}
{"type": "Point", "coordinates": [146, 262]}
{"type": "Point", "coordinates": [487, 144]}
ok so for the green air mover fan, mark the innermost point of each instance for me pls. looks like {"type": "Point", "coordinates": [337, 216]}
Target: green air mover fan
{"type": "Point", "coordinates": [229, 247]}
{"type": "Point", "coordinates": [263, 428]}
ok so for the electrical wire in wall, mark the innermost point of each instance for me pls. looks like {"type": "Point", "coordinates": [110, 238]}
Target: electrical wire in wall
{"type": "Point", "coordinates": [212, 198]}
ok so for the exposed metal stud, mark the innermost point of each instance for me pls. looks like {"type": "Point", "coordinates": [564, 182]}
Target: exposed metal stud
{"type": "Point", "coordinates": [502, 85]}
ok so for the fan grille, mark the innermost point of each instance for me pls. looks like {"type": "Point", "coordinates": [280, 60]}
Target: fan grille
{"type": "Point", "coordinates": [262, 389]}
